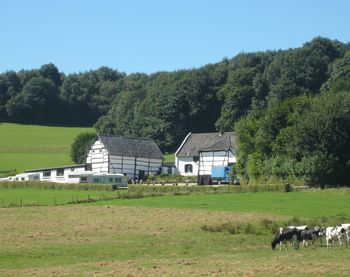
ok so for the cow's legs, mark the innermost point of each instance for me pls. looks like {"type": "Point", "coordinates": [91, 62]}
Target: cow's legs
{"type": "Point", "coordinates": [329, 243]}
{"type": "Point", "coordinates": [296, 242]}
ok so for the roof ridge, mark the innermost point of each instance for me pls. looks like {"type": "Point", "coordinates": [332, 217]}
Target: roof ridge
{"type": "Point", "coordinates": [212, 133]}
{"type": "Point", "coordinates": [113, 136]}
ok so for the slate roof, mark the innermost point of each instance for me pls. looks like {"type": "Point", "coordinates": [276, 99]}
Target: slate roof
{"type": "Point", "coordinates": [199, 142]}
{"type": "Point", "coordinates": [132, 147]}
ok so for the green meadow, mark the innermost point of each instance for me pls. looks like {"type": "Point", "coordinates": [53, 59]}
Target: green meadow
{"type": "Point", "coordinates": [173, 235]}
{"type": "Point", "coordinates": [307, 204]}
{"type": "Point", "coordinates": [24, 147]}
{"type": "Point", "coordinates": [47, 197]}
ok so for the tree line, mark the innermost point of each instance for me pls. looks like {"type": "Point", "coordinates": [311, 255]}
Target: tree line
{"type": "Point", "coordinates": [289, 108]}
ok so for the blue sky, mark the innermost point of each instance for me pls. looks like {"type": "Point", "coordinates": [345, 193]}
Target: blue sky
{"type": "Point", "coordinates": [158, 35]}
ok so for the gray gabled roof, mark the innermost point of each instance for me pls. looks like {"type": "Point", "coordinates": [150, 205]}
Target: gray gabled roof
{"type": "Point", "coordinates": [195, 143]}
{"type": "Point", "coordinates": [132, 147]}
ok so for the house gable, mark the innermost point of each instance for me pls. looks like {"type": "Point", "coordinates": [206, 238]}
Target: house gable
{"type": "Point", "coordinates": [198, 142]}
{"type": "Point", "coordinates": [199, 152]}
{"type": "Point", "coordinates": [134, 157]}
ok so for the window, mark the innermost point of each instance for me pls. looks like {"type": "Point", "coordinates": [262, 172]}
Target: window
{"type": "Point", "coordinates": [196, 159]}
{"type": "Point", "coordinates": [96, 180]}
{"type": "Point", "coordinates": [118, 180]}
{"type": "Point", "coordinates": [188, 168]}
{"type": "Point", "coordinates": [60, 172]}
{"type": "Point", "coordinates": [72, 169]}
{"type": "Point", "coordinates": [46, 174]}
{"type": "Point", "coordinates": [83, 179]}
{"type": "Point", "coordinates": [110, 180]}
{"type": "Point", "coordinates": [22, 179]}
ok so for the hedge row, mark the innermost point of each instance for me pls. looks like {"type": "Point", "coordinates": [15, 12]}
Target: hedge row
{"type": "Point", "coordinates": [51, 185]}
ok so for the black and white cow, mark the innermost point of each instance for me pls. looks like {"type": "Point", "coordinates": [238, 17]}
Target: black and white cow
{"type": "Point", "coordinates": [286, 234]}
{"type": "Point", "coordinates": [346, 226]}
{"type": "Point", "coordinates": [300, 228]}
{"type": "Point", "coordinates": [312, 234]}
{"type": "Point", "coordinates": [333, 233]}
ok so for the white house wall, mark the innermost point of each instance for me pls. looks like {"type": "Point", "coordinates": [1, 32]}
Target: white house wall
{"type": "Point", "coordinates": [98, 158]}
{"type": "Point", "coordinates": [214, 158]}
{"type": "Point", "coordinates": [181, 162]}
{"type": "Point", "coordinates": [206, 161]}
{"type": "Point", "coordinates": [53, 175]}
{"type": "Point", "coordinates": [131, 166]}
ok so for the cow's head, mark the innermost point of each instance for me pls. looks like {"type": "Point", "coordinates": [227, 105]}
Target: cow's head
{"type": "Point", "coordinates": [322, 231]}
{"type": "Point", "coordinates": [273, 244]}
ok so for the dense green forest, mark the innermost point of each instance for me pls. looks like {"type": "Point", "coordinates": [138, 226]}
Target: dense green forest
{"type": "Point", "coordinates": [289, 108]}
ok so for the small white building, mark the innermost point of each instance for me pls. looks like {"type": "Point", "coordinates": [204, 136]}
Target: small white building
{"type": "Point", "coordinates": [61, 174]}
{"type": "Point", "coordinates": [200, 152]}
{"type": "Point", "coordinates": [133, 157]}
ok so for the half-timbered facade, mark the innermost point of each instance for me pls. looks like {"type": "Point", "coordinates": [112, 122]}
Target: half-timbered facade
{"type": "Point", "coordinates": [133, 157]}
{"type": "Point", "coordinates": [200, 152]}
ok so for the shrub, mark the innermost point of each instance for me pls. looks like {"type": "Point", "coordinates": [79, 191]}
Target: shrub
{"type": "Point", "coordinates": [51, 185]}
{"type": "Point", "coordinates": [81, 146]}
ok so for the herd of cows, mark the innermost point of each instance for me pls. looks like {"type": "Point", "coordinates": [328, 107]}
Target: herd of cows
{"type": "Point", "coordinates": [302, 234]}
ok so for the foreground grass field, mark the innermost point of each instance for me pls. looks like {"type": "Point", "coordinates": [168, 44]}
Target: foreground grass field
{"type": "Point", "coordinates": [28, 146]}
{"type": "Point", "coordinates": [149, 237]}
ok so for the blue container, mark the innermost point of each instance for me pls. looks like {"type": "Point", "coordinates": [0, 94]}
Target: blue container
{"type": "Point", "coordinates": [220, 173]}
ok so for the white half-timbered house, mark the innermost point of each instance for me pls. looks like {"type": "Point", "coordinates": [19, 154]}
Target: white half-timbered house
{"type": "Point", "coordinates": [200, 152]}
{"type": "Point", "coordinates": [133, 157]}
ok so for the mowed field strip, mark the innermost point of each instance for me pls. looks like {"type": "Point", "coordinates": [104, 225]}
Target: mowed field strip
{"type": "Point", "coordinates": [25, 147]}
{"type": "Point", "coordinates": [147, 237]}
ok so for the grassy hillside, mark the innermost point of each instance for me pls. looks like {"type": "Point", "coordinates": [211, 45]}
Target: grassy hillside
{"type": "Point", "coordinates": [29, 146]}
{"type": "Point", "coordinates": [169, 157]}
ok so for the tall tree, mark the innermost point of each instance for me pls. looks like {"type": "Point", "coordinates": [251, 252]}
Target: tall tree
{"type": "Point", "coordinates": [35, 103]}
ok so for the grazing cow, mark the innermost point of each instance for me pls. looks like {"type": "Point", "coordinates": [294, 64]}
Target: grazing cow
{"type": "Point", "coordinates": [333, 233]}
{"type": "Point", "coordinates": [284, 235]}
{"type": "Point", "coordinates": [346, 226]}
{"type": "Point", "coordinates": [311, 234]}
{"type": "Point", "coordinates": [300, 228]}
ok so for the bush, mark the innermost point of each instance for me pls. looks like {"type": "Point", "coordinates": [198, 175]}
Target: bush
{"type": "Point", "coordinates": [170, 178]}
{"type": "Point", "coordinates": [81, 146]}
{"type": "Point", "coordinates": [51, 185]}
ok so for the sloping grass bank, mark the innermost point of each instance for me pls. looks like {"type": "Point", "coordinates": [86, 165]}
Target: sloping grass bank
{"type": "Point", "coordinates": [25, 147]}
